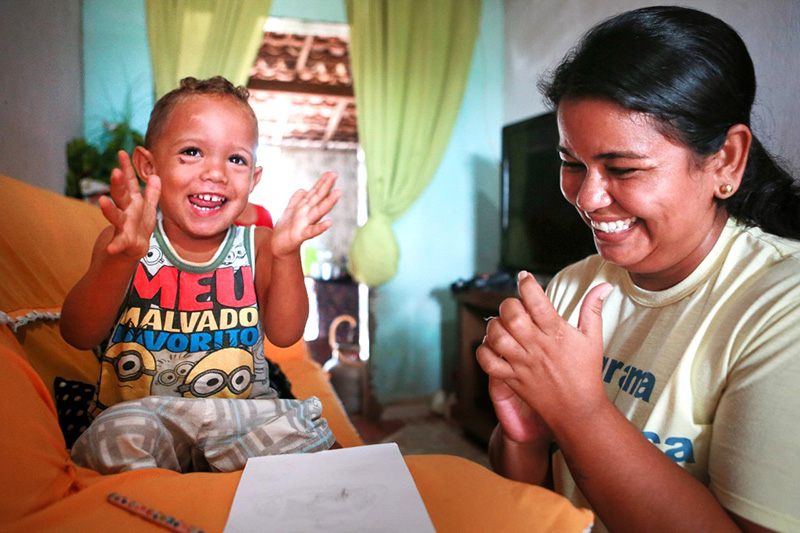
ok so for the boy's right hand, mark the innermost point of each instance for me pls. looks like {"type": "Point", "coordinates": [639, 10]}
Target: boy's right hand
{"type": "Point", "coordinates": [132, 214]}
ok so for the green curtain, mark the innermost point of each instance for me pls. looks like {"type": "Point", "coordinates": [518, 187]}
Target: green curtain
{"type": "Point", "coordinates": [203, 38]}
{"type": "Point", "coordinates": [410, 61]}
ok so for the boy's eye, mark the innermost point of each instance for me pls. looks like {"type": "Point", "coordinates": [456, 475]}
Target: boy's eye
{"type": "Point", "coordinates": [193, 152]}
{"type": "Point", "coordinates": [237, 160]}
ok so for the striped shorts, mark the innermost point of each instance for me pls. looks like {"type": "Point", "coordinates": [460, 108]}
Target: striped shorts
{"type": "Point", "coordinates": [199, 435]}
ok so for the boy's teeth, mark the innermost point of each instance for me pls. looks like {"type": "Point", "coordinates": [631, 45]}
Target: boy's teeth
{"type": "Point", "coordinates": [613, 227]}
{"type": "Point", "coordinates": [207, 202]}
{"type": "Point", "coordinates": [210, 197]}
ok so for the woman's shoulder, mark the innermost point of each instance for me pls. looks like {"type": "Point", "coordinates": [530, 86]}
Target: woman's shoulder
{"type": "Point", "coordinates": [760, 274]}
{"type": "Point", "coordinates": [772, 247]}
{"type": "Point", "coordinates": [763, 256]}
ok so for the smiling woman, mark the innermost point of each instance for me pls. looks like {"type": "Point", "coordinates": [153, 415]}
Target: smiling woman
{"type": "Point", "coordinates": [690, 308]}
{"type": "Point", "coordinates": [651, 207]}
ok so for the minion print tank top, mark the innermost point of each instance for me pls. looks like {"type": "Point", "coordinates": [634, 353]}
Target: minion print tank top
{"type": "Point", "coordinates": [188, 330]}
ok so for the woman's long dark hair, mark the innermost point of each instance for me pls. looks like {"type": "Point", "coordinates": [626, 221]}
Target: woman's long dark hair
{"type": "Point", "coordinates": [693, 74]}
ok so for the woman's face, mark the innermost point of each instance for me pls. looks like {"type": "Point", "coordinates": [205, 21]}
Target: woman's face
{"type": "Point", "coordinates": [650, 204]}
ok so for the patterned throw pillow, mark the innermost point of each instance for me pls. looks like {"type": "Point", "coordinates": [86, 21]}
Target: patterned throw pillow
{"type": "Point", "coordinates": [72, 406]}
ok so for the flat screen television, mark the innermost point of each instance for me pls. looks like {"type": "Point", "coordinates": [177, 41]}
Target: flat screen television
{"type": "Point", "coordinates": [540, 231]}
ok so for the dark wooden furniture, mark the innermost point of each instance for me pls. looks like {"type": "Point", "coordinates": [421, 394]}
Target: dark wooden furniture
{"type": "Point", "coordinates": [473, 409]}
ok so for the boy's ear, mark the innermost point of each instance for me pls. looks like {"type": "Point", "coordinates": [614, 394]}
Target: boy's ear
{"type": "Point", "coordinates": [256, 178]}
{"type": "Point", "coordinates": [143, 162]}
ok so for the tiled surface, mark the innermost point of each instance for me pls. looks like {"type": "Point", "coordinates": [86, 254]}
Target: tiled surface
{"type": "Point", "coordinates": [301, 88]}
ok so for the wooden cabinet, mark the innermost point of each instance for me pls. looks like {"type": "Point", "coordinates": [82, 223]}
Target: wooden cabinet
{"type": "Point", "coordinates": [473, 409]}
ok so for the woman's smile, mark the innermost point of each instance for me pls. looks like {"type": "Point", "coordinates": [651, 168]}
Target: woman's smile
{"type": "Point", "coordinates": [614, 226]}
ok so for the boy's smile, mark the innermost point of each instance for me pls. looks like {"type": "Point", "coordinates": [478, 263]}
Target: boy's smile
{"type": "Point", "coordinates": [205, 157]}
{"type": "Point", "coordinates": [208, 201]}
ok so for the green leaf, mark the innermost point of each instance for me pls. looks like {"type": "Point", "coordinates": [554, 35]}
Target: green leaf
{"type": "Point", "coordinates": [84, 160]}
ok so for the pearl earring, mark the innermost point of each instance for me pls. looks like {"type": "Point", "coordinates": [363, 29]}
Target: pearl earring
{"type": "Point", "coordinates": [726, 189]}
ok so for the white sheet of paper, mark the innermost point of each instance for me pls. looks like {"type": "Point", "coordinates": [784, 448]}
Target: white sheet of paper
{"type": "Point", "coordinates": [365, 488]}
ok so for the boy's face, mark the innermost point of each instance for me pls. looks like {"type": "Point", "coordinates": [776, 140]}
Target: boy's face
{"type": "Point", "coordinates": [205, 157]}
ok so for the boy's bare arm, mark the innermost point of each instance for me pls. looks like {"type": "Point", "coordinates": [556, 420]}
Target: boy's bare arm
{"type": "Point", "coordinates": [280, 282]}
{"type": "Point", "coordinates": [285, 312]}
{"type": "Point", "coordinates": [91, 306]}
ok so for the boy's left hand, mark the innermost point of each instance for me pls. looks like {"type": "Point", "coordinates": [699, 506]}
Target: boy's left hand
{"type": "Point", "coordinates": [301, 219]}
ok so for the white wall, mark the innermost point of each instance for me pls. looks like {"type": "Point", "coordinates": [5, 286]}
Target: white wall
{"type": "Point", "coordinates": [538, 34]}
{"type": "Point", "coordinates": [40, 88]}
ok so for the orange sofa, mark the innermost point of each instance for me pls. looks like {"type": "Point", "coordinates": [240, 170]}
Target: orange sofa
{"type": "Point", "coordinates": [45, 245]}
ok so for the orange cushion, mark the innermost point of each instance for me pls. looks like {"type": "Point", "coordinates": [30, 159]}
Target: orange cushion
{"type": "Point", "coordinates": [200, 499]}
{"type": "Point", "coordinates": [295, 352]}
{"type": "Point", "coordinates": [33, 456]}
{"type": "Point", "coordinates": [51, 356]}
{"type": "Point", "coordinates": [460, 496]}
{"type": "Point", "coordinates": [463, 496]}
{"type": "Point", "coordinates": [46, 242]}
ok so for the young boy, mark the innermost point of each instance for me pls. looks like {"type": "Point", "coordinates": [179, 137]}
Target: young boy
{"type": "Point", "coordinates": [181, 295]}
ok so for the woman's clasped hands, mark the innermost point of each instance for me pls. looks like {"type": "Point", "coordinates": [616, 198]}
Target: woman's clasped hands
{"type": "Point", "coordinates": [543, 372]}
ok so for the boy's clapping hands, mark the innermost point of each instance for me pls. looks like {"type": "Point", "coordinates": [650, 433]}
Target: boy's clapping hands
{"type": "Point", "coordinates": [132, 214]}
{"type": "Point", "coordinates": [301, 219]}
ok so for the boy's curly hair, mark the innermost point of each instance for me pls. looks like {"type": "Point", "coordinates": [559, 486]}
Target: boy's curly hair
{"type": "Point", "coordinates": [189, 87]}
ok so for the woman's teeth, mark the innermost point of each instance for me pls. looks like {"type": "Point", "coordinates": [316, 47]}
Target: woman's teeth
{"type": "Point", "coordinates": [613, 227]}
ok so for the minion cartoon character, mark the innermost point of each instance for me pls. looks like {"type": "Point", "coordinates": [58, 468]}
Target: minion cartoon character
{"type": "Point", "coordinates": [223, 373]}
{"type": "Point", "coordinates": [126, 372]}
{"type": "Point", "coordinates": [172, 369]}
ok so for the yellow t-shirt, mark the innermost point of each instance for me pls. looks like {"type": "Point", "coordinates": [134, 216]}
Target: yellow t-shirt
{"type": "Point", "coordinates": [708, 370]}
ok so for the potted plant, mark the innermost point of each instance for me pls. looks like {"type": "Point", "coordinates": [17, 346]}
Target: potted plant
{"type": "Point", "coordinates": [89, 168]}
